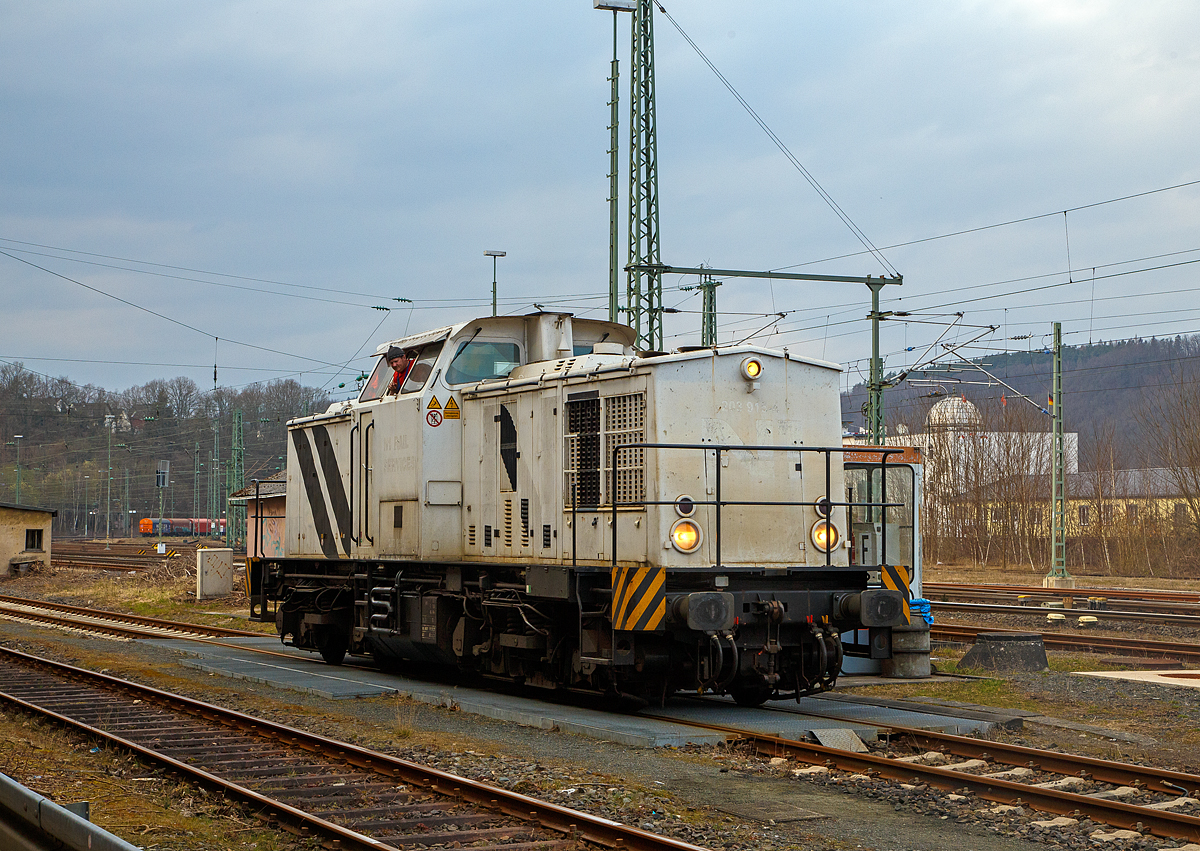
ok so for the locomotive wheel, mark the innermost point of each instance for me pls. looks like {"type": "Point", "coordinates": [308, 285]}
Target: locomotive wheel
{"type": "Point", "coordinates": [333, 646]}
{"type": "Point", "coordinates": [750, 694]}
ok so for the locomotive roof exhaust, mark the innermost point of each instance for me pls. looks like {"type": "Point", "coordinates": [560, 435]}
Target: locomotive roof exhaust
{"type": "Point", "coordinates": [549, 336]}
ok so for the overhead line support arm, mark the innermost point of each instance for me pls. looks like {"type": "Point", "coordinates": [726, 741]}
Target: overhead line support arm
{"type": "Point", "coordinates": [783, 276]}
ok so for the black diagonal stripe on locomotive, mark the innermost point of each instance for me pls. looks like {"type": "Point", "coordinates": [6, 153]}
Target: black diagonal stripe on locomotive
{"type": "Point", "coordinates": [312, 489]}
{"type": "Point", "coordinates": [639, 598]}
{"type": "Point", "coordinates": [623, 585]}
{"type": "Point", "coordinates": [333, 483]}
{"type": "Point", "coordinates": [895, 577]}
{"type": "Point", "coordinates": [655, 612]}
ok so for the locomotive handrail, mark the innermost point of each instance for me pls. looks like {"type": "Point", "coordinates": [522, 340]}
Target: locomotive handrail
{"type": "Point", "coordinates": [366, 484]}
{"type": "Point", "coordinates": [575, 524]}
{"type": "Point", "coordinates": [353, 528]}
{"type": "Point", "coordinates": [258, 520]}
{"type": "Point", "coordinates": [718, 502]}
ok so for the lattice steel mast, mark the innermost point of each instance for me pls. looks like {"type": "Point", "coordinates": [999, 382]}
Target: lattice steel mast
{"type": "Point", "coordinates": [708, 324]}
{"type": "Point", "coordinates": [237, 481]}
{"type": "Point", "coordinates": [1058, 577]}
{"type": "Point", "coordinates": [644, 288]}
{"type": "Point", "coordinates": [214, 484]}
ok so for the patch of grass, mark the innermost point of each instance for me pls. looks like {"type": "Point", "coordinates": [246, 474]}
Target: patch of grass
{"type": "Point", "coordinates": [1070, 663]}
{"type": "Point", "coordinates": [406, 718]}
{"type": "Point", "coordinates": [1063, 663]}
{"type": "Point", "coordinates": [989, 692]}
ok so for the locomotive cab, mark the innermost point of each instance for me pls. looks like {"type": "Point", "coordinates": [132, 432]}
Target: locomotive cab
{"type": "Point", "coordinates": [534, 500]}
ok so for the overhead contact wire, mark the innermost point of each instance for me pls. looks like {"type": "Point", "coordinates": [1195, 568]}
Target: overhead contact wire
{"type": "Point", "coordinates": [799, 166]}
{"type": "Point", "coordinates": [162, 316]}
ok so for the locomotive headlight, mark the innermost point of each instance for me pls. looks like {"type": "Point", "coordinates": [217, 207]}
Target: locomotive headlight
{"type": "Point", "coordinates": [825, 535]}
{"type": "Point", "coordinates": [823, 506]}
{"type": "Point", "coordinates": [685, 506]}
{"type": "Point", "coordinates": [686, 536]}
{"type": "Point", "coordinates": [752, 369]}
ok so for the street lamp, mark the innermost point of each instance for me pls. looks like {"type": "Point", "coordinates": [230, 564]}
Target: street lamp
{"type": "Point", "coordinates": [494, 255]}
{"type": "Point", "coordinates": [86, 507]}
{"type": "Point", "coordinates": [109, 424]}
{"type": "Point", "coordinates": [16, 441]}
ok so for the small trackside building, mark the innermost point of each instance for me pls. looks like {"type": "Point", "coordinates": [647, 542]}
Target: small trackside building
{"type": "Point", "coordinates": [24, 537]}
{"type": "Point", "coordinates": [264, 503]}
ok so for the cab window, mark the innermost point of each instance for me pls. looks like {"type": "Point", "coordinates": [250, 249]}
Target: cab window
{"type": "Point", "coordinates": [481, 360]}
{"type": "Point", "coordinates": [419, 373]}
{"type": "Point", "coordinates": [377, 384]}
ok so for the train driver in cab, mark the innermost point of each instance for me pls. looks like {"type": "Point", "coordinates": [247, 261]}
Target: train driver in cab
{"type": "Point", "coordinates": [401, 361]}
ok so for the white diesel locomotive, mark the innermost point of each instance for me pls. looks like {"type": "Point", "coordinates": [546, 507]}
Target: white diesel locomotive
{"type": "Point", "coordinates": [538, 502]}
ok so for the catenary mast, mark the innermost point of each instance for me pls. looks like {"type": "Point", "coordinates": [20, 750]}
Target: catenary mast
{"type": "Point", "coordinates": [644, 289]}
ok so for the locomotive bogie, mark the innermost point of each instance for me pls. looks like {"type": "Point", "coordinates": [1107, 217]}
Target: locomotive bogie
{"type": "Point", "coordinates": [485, 622]}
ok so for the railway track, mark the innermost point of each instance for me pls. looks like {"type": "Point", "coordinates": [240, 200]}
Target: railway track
{"type": "Point", "coordinates": [1123, 599]}
{"type": "Point", "coordinates": [89, 555]}
{"type": "Point", "coordinates": [111, 623]}
{"type": "Point", "coordinates": [349, 796]}
{"type": "Point", "coordinates": [1059, 593]}
{"type": "Point", "coordinates": [965, 634]}
{"type": "Point", "coordinates": [125, 556]}
{"type": "Point", "coordinates": [122, 563]}
{"type": "Point", "coordinates": [1131, 797]}
{"type": "Point", "coordinates": [1171, 618]}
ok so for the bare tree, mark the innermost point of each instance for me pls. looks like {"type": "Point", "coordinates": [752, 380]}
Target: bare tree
{"type": "Point", "coordinates": [183, 395]}
{"type": "Point", "coordinates": [1169, 419]}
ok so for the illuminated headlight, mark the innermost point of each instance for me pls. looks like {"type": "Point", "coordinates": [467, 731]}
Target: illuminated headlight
{"type": "Point", "coordinates": [825, 535]}
{"type": "Point", "coordinates": [686, 536]}
{"type": "Point", "coordinates": [752, 369]}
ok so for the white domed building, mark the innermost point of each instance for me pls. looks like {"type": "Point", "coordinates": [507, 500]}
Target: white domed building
{"type": "Point", "coordinates": [960, 455]}
{"type": "Point", "coordinates": [954, 413]}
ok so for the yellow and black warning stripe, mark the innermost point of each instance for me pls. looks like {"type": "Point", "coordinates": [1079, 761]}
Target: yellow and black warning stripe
{"type": "Point", "coordinates": [639, 598]}
{"type": "Point", "coordinates": [895, 577]}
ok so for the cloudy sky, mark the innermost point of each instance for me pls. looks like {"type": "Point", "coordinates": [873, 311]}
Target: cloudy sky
{"type": "Point", "coordinates": [269, 173]}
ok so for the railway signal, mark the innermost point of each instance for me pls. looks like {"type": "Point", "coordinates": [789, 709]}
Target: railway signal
{"type": "Point", "coordinates": [160, 482]}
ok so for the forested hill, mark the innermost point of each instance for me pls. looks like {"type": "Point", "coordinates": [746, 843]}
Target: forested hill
{"type": "Point", "coordinates": [1105, 387]}
{"type": "Point", "coordinates": [67, 429]}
